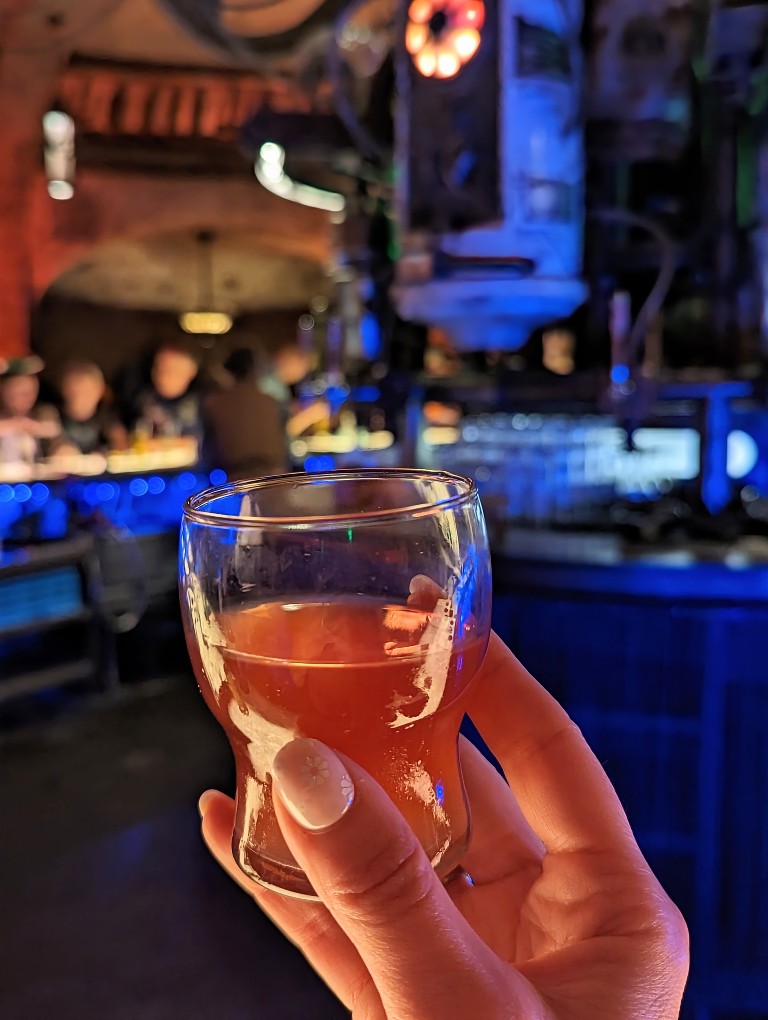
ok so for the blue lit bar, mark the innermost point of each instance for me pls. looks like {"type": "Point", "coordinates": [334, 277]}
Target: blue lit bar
{"type": "Point", "coordinates": [522, 242]}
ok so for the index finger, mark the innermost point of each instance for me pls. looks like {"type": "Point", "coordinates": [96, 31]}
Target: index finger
{"type": "Point", "coordinates": [307, 924]}
{"type": "Point", "coordinates": [561, 787]}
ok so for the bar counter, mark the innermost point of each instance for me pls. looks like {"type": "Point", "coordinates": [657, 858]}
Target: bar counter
{"type": "Point", "coordinates": [658, 653]}
{"type": "Point", "coordinates": [605, 565]}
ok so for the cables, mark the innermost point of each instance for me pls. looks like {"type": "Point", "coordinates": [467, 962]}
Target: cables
{"type": "Point", "coordinates": [655, 300]}
{"type": "Point", "coordinates": [342, 102]}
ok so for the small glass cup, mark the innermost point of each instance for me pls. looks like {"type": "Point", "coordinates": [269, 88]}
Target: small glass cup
{"type": "Point", "coordinates": [352, 607]}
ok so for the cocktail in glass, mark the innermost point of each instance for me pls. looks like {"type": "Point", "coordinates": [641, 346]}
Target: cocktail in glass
{"type": "Point", "coordinates": [352, 607]}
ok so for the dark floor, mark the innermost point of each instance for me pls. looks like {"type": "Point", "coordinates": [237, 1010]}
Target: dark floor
{"type": "Point", "coordinates": [110, 907]}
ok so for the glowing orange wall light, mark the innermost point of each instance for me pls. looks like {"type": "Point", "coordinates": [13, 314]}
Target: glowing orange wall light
{"type": "Point", "coordinates": [443, 35]}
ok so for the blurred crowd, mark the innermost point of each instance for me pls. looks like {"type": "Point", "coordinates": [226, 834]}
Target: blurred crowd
{"type": "Point", "coordinates": [241, 415]}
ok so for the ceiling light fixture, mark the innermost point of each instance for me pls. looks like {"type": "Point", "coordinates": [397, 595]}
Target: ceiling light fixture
{"type": "Point", "coordinates": [270, 173]}
{"type": "Point", "coordinates": [205, 321]}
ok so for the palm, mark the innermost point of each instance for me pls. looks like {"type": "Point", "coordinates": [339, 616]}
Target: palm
{"type": "Point", "coordinates": [567, 922]}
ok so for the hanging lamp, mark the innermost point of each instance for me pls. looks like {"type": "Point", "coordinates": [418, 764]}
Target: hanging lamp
{"type": "Point", "coordinates": [205, 319]}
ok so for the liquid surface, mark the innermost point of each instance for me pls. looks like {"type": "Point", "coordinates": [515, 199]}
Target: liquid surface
{"type": "Point", "coordinates": [385, 684]}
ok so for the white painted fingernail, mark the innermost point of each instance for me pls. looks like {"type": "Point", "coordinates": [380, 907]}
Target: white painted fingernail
{"type": "Point", "coordinates": [313, 783]}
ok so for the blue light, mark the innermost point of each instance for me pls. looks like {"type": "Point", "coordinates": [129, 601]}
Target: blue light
{"type": "Point", "coordinates": [56, 519]}
{"type": "Point", "coordinates": [322, 463]}
{"type": "Point", "coordinates": [440, 793]}
{"type": "Point", "coordinates": [40, 492]}
{"type": "Point", "coordinates": [22, 493]}
{"type": "Point", "coordinates": [187, 481]}
{"type": "Point", "coordinates": [218, 477]}
{"type": "Point", "coordinates": [619, 374]}
{"type": "Point", "coordinates": [366, 394]}
{"type": "Point", "coordinates": [105, 492]}
{"type": "Point", "coordinates": [370, 337]}
{"type": "Point", "coordinates": [91, 493]}
{"type": "Point", "coordinates": [156, 485]}
{"type": "Point", "coordinates": [138, 487]}
{"type": "Point", "coordinates": [336, 395]}
{"type": "Point", "coordinates": [6, 494]}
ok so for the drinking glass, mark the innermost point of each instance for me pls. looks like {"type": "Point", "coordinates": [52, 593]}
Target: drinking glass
{"type": "Point", "coordinates": [352, 607]}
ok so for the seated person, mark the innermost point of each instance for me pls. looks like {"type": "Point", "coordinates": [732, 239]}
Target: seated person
{"type": "Point", "coordinates": [88, 424]}
{"type": "Point", "coordinates": [289, 366]}
{"type": "Point", "coordinates": [244, 431]}
{"type": "Point", "coordinates": [26, 427]}
{"type": "Point", "coordinates": [170, 406]}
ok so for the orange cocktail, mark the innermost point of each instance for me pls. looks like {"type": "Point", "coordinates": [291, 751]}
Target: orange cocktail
{"type": "Point", "coordinates": [381, 674]}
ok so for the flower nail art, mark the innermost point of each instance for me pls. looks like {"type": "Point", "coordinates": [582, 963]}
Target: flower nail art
{"type": "Point", "coordinates": [347, 789]}
{"type": "Point", "coordinates": [312, 783]}
{"type": "Point", "coordinates": [314, 771]}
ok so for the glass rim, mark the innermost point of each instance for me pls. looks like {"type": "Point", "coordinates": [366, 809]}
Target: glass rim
{"type": "Point", "coordinates": [194, 506]}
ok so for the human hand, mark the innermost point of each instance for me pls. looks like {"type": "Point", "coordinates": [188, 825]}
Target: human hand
{"type": "Point", "coordinates": [17, 425]}
{"type": "Point", "coordinates": [307, 416]}
{"type": "Point", "coordinates": [41, 428]}
{"type": "Point", "coordinates": [562, 919]}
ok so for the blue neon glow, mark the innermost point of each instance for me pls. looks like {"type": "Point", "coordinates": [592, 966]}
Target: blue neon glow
{"type": "Point", "coordinates": [619, 374]}
{"type": "Point", "coordinates": [336, 395]}
{"type": "Point", "coordinates": [138, 487]}
{"type": "Point", "coordinates": [322, 462]}
{"type": "Point", "coordinates": [440, 793]}
{"type": "Point", "coordinates": [91, 493]}
{"type": "Point", "coordinates": [105, 492]}
{"type": "Point", "coordinates": [370, 337]}
{"type": "Point", "coordinates": [366, 394]}
{"type": "Point", "coordinates": [52, 503]}
{"type": "Point", "coordinates": [218, 477]}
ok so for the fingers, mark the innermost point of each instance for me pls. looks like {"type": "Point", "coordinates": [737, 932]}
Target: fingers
{"type": "Point", "coordinates": [502, 840]}
{"type": "Point", "coordinates": [560, 786]}
{"type": "Point", "coordinates": [424, 592]}
{"type": "Point", "coordinates": [308, 925]}
{"type": "Point", "coordinates": [504, 859]}
{"type": "Point", "coordinates": [366, 864]}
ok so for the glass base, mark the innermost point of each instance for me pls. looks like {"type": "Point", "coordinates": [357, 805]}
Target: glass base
{"type": "Point", "coordinates": [289, 881]}
{"type": "Point", "coordinates": [274, 875]}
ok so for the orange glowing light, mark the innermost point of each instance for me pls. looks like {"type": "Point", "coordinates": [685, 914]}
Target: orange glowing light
{"type": "Point", "coordinates": [416, 36]}
{"type": "Point", "coordinates": [448, 64]}
{"type": "Point", "coordinates": [441, 47]}
{"type": "Point", "coordinates": [420, 11]}
{"type": "Point", "coordinates": [426, 61]}
{"type": "Point", "coordinates": [465, 43]}
{"type": "Point", "coordinates": [472, 14]}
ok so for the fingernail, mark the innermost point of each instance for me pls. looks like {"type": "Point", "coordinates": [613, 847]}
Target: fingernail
{"type": "Point", "coordinates": [312, 783]}
{"type": "Point", "coordinates": [203, 801]}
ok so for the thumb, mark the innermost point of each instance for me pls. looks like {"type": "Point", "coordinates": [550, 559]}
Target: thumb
{"type": "Point", "coordinates": [367, 866]}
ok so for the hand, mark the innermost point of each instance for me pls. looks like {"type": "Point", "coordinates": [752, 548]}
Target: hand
{"type": "Point", "coordinates": [43, 428]}
{"type": "Point", "coordinates": [562, 920]}
{"type": "Point", "coordinates": [306, 417]}
{"type": "Point", "coordinates": [18, 425]}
